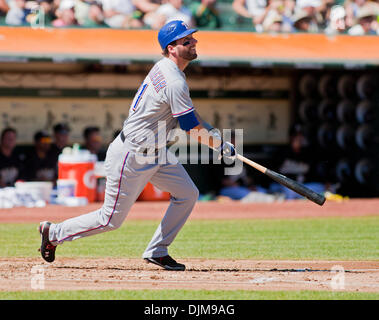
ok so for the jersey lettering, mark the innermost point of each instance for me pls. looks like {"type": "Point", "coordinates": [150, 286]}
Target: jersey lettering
{"type": "Point", "coordinates": [157, 79]}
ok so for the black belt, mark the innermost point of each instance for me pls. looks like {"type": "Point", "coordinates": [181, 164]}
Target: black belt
{"type": "Point", "coordinates": [145, 151]}
{"type": "Point", "coordinates": [122, 136]}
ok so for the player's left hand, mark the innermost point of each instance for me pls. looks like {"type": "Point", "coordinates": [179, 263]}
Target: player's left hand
{"type": "Point", "coordinates": [227, 150]}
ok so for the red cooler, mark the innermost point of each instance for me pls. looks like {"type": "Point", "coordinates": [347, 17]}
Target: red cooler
{"type": "Point", "coordinates": [152, 193]}
{"type": "Point", "coordinates": [79, 166]}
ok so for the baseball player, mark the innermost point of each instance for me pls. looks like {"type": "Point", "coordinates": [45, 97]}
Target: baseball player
{"type": "Point", "coordinates": [163, 97]}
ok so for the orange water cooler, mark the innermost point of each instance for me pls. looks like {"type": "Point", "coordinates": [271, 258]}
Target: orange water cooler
{"type": "Point", "coordinates": [152, 193]}
{"type": "Point", "coordinates": [80, 167]}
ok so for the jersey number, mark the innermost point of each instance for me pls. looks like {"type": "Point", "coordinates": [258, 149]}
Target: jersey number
{"type": "Point", "coordinates": [141, 92]}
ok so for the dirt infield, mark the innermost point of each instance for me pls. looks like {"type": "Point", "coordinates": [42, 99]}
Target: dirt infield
{"type": "Point", "coordinates": [101, 274]}
{"type": "Point", "coordinates": [201, 274]}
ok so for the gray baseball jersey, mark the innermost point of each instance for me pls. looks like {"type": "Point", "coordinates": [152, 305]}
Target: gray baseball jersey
{"type": "Point", "coordinates": [162, 97]}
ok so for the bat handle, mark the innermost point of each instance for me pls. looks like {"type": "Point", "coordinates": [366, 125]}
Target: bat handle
{"type": "Point", "coordinates": [252, 163]}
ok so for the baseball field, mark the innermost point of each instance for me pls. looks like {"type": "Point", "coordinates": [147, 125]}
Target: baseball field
{"type": "Point", "coordinates": [288, 250]}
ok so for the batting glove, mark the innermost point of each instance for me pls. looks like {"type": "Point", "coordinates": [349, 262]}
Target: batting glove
{"type": "Point", "coordinates": [227, 150]}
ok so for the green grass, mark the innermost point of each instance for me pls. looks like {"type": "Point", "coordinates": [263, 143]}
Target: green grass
{"type": "Point", "coordinates": [187, 295]}
{"type": "Point", "coordinates": [277, 239]}
{"type": "Point", "coordinates": [329, 239]}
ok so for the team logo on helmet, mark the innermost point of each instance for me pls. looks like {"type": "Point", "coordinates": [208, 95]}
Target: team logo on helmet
{"type": "Point", "coordinates": [171, 28]}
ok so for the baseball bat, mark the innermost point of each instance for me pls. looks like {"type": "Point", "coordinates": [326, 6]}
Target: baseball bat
{"type": "Point", "coordinates": [283, 180]}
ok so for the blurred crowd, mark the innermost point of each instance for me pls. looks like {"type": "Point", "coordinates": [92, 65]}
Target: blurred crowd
{"type": "Point", "coordinates": [354, 17]}
{"type": "Point", "coordinates": [40, 162]}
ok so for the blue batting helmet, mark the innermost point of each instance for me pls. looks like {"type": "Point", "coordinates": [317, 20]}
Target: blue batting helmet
{"type": "Point", "coordinates": [172, 31]}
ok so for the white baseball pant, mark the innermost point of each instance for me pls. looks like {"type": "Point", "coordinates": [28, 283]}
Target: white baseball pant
{"type": "Point", "coordinates": [126, 178]}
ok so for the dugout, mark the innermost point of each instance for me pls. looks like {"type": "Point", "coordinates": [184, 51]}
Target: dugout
{"type": "Point", "coordinates": [261, 83]}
